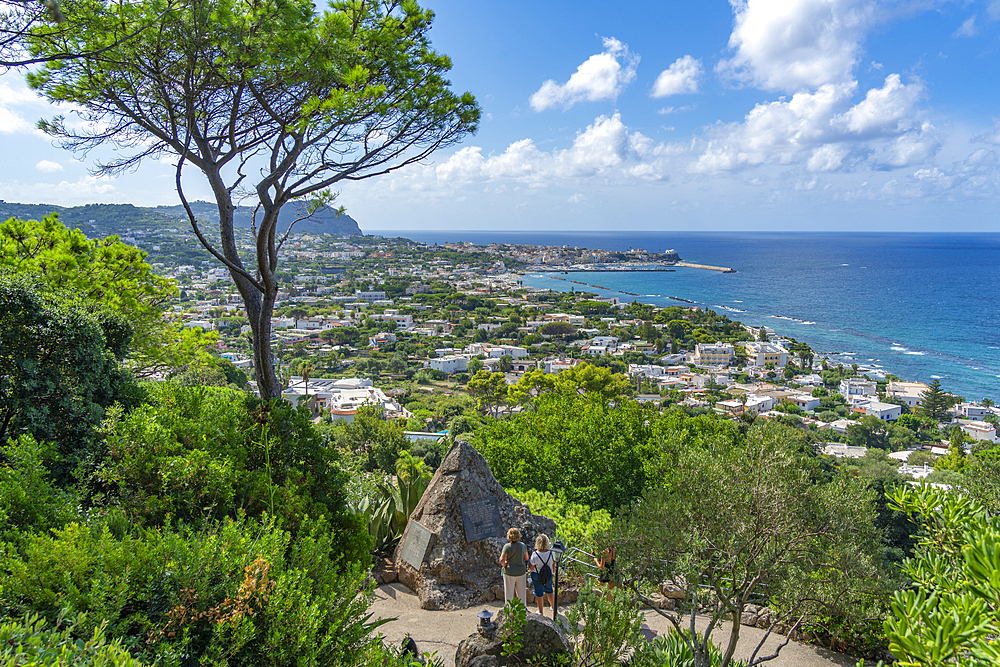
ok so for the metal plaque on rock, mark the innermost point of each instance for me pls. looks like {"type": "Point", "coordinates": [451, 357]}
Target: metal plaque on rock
{"type": "Point", "coordinates": [415, 544]}
{"type": "Point", "coordinates": [482, 520]}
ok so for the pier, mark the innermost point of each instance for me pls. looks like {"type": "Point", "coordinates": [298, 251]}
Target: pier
{"type": "Point", "coordinates": [721, 269]}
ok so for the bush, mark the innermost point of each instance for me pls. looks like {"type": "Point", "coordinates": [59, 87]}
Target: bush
{"type": "Point", "coordinates": [28, 499]}
{"type": "Point", "coordinates": [577, 447]}
{"type": "Point", "coordinates": [576, 523]}
{"type": "Point", "coordinates": [194, 456]}
{"type": "Point", "coordinates": [673, 650]}
{"type": "Point", "coordinates": [32, 642]}
{"type": "Point", "coordinates": [605, 626]}
{"type": "Point", "coordinates": [240, 592]}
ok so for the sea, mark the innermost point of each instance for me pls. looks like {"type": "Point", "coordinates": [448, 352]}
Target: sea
{"type": "Point", "coordinates": [921, 306]}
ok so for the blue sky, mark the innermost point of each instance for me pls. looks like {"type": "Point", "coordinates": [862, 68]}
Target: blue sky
{"type": "Point", "coordinates": [798, 115]}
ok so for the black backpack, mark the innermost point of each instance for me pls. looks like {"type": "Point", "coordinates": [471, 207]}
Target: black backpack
{"type": "Point", "coordinates": [545, 574]}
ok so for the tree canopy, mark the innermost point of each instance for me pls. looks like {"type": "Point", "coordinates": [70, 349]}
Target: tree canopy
{"type": "Point", "coordinates": [273, 102]}
{"type": "Point", "coordinates": [59, 366]}
{"type": "Point", "coordinates": [112, 274]}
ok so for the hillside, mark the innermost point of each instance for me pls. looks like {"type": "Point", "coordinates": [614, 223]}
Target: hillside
{"type": "Point", "coordinates": [105, 219]}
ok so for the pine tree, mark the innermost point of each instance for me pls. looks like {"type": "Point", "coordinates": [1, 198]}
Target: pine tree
{"type": "Point", "coordinates": [934, 403]}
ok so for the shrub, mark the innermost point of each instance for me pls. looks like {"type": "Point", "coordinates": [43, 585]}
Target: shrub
{"type": "Point", "coordinates": [605, 626]}
{"type": "Point", "coordinates": [28, 499]}
{"type": "Point", "coordinates": [32, 642]}
{"type": "Point", "coordinates": [240, 592]}
{"type": "Point", "coordinates": [194, 456]}
{"type": "Point", "coordinates": [576, 523]}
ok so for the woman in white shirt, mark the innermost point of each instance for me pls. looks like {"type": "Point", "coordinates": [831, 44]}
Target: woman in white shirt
{"type": "Point", "coordinates": [543, 566]}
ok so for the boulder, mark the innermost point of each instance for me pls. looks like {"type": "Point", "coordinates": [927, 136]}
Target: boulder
{"type": "Point", "coordinates": [541, 638]}
{"type": "Point", "coordinates": [455, 573]}
{"type": "Point", "coordinates": [668, 589]}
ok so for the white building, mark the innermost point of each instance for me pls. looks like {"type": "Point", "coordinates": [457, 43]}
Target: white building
{"type": "Point", "coordinates": [856, 387]}
{"type": "Point", "coordinates": [714, 354]}
{"type": "Point", "coordinates": [980, 431]}
{"type": "Point", "coordinates": [449, 363]}
{"type": "Point", "coordinates": [369, 296]}
{"type": "Point", "coordinates": [969, 410]}
{"type": "Point", "coordinates": [760, 354]}
{"type": "Point", "coordinates": [760, 403]}
{"type": "Point", "coordinates": [649, 371]}
{"type": "Point", "coordinates": [843, 451]}
{"type": "Point", "coordinates": [884, 411]}
{"type": "Point", "coordinates": [341, 397]}
{"type": "Point", "coordinates": [402, 321]}
{"type": "Point", "coordinates": [804, 401]}
{"type": "Point", "coordinates": [557, 365]}
{"type": "Point", "coordinates": [909, 392]}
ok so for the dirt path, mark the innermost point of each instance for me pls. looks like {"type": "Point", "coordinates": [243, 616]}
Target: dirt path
{"type": "Point", "coordinates": [441, 631]}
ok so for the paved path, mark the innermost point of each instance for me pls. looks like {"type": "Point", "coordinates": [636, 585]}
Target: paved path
{"type": "Point", "coordinates": [441, 631]}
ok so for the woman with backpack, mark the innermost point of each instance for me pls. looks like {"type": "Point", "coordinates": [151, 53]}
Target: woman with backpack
{"type": "Point", "coordinates": [542, 564]}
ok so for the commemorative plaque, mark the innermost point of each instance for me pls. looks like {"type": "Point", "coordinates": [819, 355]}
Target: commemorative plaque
{"type": "Point", "coordinates": [482, 520]}
{"type": "Point", "coordinates": [415, 545]}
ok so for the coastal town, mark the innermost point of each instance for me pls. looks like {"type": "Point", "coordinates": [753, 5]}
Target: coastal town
{"type": "Point", "coordinates": [393, 324]}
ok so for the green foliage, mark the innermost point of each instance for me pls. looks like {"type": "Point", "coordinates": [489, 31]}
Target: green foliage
{"type": "Point", "coordinates": [576, 447]}
{"type": "Point", "coordinates": [59, 368]}
{"type": "Point", "coordinates": [111, 274]}
{"type": "Point", "coordinates": [950, 615]}
{"type": "Point", "coordinates": [194, 455]}
{"type": "Point", "coordinates": [869, 431]}
{"type": "Point", "coordinates": [325, 83]}
{"type": "Point", "coordinates": [490, 389]}
{"type": "Point", "coordinates": [387, 514]}
{"type": "Point", "coordinates": [576, 524]}
{"type": "Point", "coordinates": [934, 402]}
{"type": "Point", "coordinates": [238, 592]}
{"type": "Point", "coordinates": [604, 625]}
{"type": "Point", "coordinates": [28, 498]}
{"type": "Point", "coordinates": [746, 520]}
{"type": "Point", "coordinates": [32, 642]}
{"type": "Point", "coordinates": [513, 637]}
{"type": "Point", "coordinates": [369, 432]}
{"type": "Point", "coordinates": [674, 650]}
{"type": "Point", "coordinates": [982, 479]}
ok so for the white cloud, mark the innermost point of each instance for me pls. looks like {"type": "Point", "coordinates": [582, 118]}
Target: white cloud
{"type": "Point", "coordinates": [775, 130]}
{"type": "Point", "coordinates": [603, 76]}
{"type": "Point", "coordinates": [884, 109]}
{"type": "Point", "coordinates": [605, 150]}
{"type": "Point", "coordinates": [828, 157]}
{"type": "Point", "coordinates": [86, 190]}
{"type": "Point", "coordinates": [678, 79]}
{"type": "Point", "coordinates": [992, 136]}
{"type": "Point", "coordinates": [796, 44]}
{"type": "Point", "coordinates": [577, 198]}
{"type": "Point", "coordinates": [48, 166]}
{"type": "Point", "coordinates": [823, 130]}
{"type": "Point", "coordinates": [968, 28]}
{"type": "Point", "coordinates": [11, 122]}
{"type": "Point", "coordinates": [909, 149]}
{"type": "Point", "coordinates": [669, 110]}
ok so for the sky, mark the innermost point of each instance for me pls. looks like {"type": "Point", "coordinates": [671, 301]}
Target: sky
{"type": "Point", "coordinates": [778, 115]}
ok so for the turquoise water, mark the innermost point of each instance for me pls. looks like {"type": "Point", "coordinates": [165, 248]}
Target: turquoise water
{"type": "Point", "coordinates": [921, 306]}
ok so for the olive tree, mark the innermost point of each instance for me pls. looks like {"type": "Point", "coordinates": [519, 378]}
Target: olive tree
{"type": "Point", "coordinates": [270, 100]}
{"type": "Point", "coordinates": [735, 524]}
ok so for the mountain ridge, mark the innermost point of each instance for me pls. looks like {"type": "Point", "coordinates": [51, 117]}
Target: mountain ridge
{"type": "Point", "coordinates": [107, 219]}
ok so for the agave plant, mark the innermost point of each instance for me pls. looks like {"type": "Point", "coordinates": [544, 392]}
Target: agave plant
{"type": "Point", "coordinates": [388, 513]}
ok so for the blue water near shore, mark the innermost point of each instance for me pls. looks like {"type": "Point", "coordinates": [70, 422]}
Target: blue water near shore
{"type": "Point", "coordinates": [921, 306]}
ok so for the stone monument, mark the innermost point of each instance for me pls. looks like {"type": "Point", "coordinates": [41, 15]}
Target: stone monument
{"type": "Point", "coordinates": [448, 554]}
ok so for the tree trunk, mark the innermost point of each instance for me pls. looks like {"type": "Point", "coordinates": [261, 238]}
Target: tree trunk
{"type": "Point", "coordinates": [734, 638]}
{"type": "Point", "coordinates": [259, 307]}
